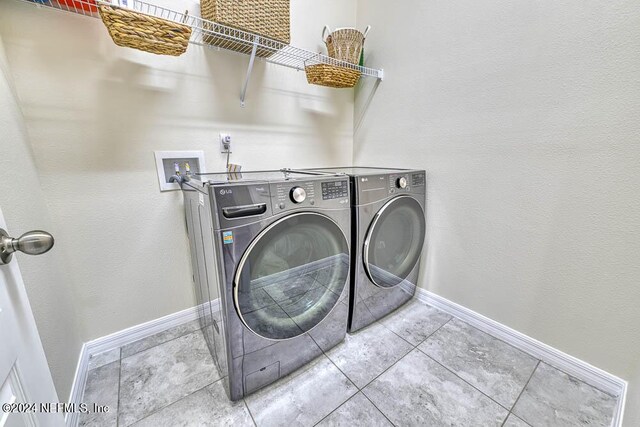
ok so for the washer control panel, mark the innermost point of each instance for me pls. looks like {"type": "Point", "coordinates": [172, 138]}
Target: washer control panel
{"type": "Point", "coordinates": [293, 194]}
{"type": "Point", "coordinates": [335, 190]}
{"type": "Point", "coordinates": [298, 194]}
{"type": "Point", "coordinates": [330, 193]}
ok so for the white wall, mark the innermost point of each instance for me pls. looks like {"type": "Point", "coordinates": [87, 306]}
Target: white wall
{"type": "Point", "coordinates": [95, 113]}
{"type": "Point", "coordinates": [22, 202]}
{"type": "Point", "coordinates": [526, 116]}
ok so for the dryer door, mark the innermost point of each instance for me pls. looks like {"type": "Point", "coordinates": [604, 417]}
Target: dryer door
{"type": "Point", "coordinates": [291, 275]}
{"type": "Point", "coordinates": [394, 241]}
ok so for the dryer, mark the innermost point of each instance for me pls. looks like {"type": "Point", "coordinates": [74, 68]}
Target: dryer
{"type": "Point", "coordinates": [388, 235]}
{"type": "Point", "coordinates": [274, 247]}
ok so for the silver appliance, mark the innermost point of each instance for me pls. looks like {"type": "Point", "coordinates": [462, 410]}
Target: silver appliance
{"type": "Point", "coordinates": [388, 234]}
{"type": "Point", "coordinates": [274, 247]}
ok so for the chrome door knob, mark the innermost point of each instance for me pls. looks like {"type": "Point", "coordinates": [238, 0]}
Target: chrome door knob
{"type": "Point", "coordinates": [402, 182]}
{"type": "Point", "coordinates": [298, 195]}
{"type": "Point", "coordinates": [32, 243]}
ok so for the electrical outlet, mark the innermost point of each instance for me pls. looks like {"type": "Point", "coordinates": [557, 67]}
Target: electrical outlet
{"type": "Point", "coordinates": [225, 142]}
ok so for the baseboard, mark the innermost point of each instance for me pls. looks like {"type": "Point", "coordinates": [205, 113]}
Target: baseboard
{"type": "Point", "coordinates": [144, 330]}
{"type": "Point", "coordinates": [119, 339]}
{"type": "Point", "coordinates": [77, 387]}
{"type": "Point", "coordinates": [575, 367]}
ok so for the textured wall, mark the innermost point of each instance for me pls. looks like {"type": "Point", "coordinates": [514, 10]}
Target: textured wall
{"type": "Point", "coordinates": [527, 116]}
{"type": "Point", "coordinates": [95, 113]}
{"type": "Point", "coordinates": [24, 208]}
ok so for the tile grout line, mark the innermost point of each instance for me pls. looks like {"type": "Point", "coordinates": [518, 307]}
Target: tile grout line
{"type": "Point", "coordinates": [395, 333]}
{"type": "Point", "coordinates": [496, 338]}
{"type": "Point", "coordinates": [345, 375]}
{"type": "Point", "coordinates": [332, 362]}
{"type": "Point", "coordinates": [392, 365]}
{"type": "Point", "coordinates": [534, 357]}
{"type": "Point", "coordinates": [156, 345]}
{"type": "Point", "coordinates": [434, 332]}
{"type": "Point", "coordinates": [249, 411]}
{"type": "Point", "coordinates": [361, 389]}
{"type": "Point", "coordinates": [325, 354]}
{"type": "Point", "coordinates": [340, 370]}
{"type": "Point", "coordinates": [379, 410]}
{"type": "Point", "coordinates": [516, 348]}
{"type": "Point", "coordinates": [119, 382]}
{"type": "Point", "coordinates": [466, 382]}
{"type": "Point", "coordinates": [89, 368]}
{"type": "Point", "coordinates": [538, 362]}
{"type": "Point", "coordinates": [509, 412]}
{"type": "Point", "coordinates": [526, 384]}
{"type": "Point", "coordinates": [403, 356]}
{"type": "Point", "coordinates": [454, 373]}
{"type": "Point", "coordinates": [429, 336]}
{"type": "Point", "coordinates": [617, 398]}
{"type": "Point", "coordinates": [523, 389]}
{"type": "Point", "coordinates": [421, 342]}
{"type": "Point", "coordinates": [338, 407]}
{"type": "Point", "coordinates": [514, 415]}
{"type": "Point", "coordinates": [120, 359]}
{"type": "Point", "coordinates": [166, 406]}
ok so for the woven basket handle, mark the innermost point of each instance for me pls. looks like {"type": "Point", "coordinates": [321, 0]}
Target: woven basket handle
{"type": "Point", "coordinates": [366, 31]}
{"type": "Point", "coordinates": [326, 31]}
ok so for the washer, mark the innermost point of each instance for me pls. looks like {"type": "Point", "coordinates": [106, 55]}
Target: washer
{"type": "Point", "coordinates": [388, 234]}
{"type": "Point", "coordinates": [274, 247]}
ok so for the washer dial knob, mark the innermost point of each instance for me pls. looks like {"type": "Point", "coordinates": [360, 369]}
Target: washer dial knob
{"type": "Point", "coordinates": [298, 195]}
{"type": "Point", "coordinates": [402, 182]}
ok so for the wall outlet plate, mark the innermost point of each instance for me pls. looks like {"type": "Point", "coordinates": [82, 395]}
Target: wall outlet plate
{"type": "Point", "coordinates": [165, 165]}
{"type": "Point", "coordinates": [225, 141]}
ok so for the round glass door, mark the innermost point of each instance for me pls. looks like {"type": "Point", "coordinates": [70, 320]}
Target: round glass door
{"type": "Point", "coordinates": [291, 276]}
{"type": "Point", "coordinates": [394, 242]}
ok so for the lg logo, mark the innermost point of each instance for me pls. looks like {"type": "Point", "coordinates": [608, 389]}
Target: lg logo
{"type": "Point", "coordinates": [227, 191]}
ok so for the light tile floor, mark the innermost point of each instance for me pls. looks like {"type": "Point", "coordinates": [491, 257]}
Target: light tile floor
{"type": "Point", "coordinates": [416, 367]}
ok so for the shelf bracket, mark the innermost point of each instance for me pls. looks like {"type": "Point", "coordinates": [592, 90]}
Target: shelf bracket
{"type": "Point", "coordinates": [256, 40]}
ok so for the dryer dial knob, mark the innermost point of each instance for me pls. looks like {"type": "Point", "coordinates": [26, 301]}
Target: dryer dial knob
{"type": "Point", "coordinates": [401, 182]}
{"type": "Point", "coordinates": [298, 195]}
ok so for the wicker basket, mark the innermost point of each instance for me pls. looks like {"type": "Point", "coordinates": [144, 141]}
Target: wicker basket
{"type": "Point", "coordinates": [129, 28]}
{"type": "Point", "coordinates": [268, 18]}
{"type": "Point", "coordinates": [344, 44]}
{"type": "Point", "coordinates": [331, 75]}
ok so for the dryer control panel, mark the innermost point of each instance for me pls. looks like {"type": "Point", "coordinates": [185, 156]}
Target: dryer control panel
{"type": "Point", "coordinates": [372, 188]}
{"type": "Point", "coordinates": [406, 182]}
{"type": "Point", "coordinates": [418, 179]}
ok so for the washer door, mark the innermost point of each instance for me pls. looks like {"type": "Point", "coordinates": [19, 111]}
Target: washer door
{"type": "Point", "coordinates": [394, 241]}
{"type": "Point", "coordinates": [291, 275]}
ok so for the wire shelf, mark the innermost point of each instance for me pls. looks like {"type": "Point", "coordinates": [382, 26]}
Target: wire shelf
{"type": "Point", "coordinates": [216, 36]}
